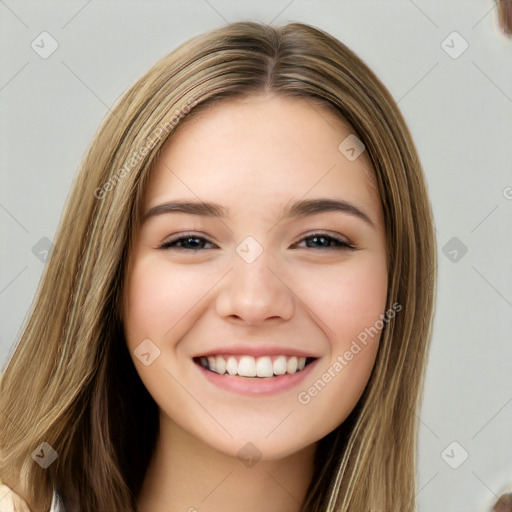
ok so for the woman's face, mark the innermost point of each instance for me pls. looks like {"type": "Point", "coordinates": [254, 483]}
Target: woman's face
{"type": "Point", "coordinates": [262, 252]}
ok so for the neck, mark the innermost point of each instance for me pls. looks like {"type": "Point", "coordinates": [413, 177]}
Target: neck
{"type": "Point", "coordinates": [187, 475]}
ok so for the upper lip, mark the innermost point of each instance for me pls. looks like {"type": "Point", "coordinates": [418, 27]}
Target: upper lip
{"type": "Point", "coordinates": [256, 351]}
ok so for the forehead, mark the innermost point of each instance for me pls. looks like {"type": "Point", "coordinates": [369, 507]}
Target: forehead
{"type": "Point", "coordinates": [262, 149]}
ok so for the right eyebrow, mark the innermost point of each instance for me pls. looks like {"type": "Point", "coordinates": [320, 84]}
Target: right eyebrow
{"type": "Point", "coordinates": [191, 207]}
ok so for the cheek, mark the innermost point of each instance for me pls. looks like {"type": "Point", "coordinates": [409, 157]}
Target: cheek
{"type": "Point", "coordinates": [350, 305]}
{"type": "Point", "coordinates": [160, 298]}
{"type": "Point", "coordinates": [347, 299]}
{"type": "Point", "coordinates": [357, 320]}
{"type": "Point", "coordinates": [363, 299]}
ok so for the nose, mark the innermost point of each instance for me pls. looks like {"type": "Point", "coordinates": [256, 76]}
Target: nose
{"type": "Point", "coordinates": [255, 292]}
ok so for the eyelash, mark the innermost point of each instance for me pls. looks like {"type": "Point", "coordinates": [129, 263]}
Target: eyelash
{"type": "Point", "coordinates": [342, 245]}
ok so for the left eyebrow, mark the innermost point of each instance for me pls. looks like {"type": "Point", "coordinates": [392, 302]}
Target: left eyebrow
{"type": "Point", "coordinates": [313, 206]}
{"type": "Point", "coordinates": [300, 208]}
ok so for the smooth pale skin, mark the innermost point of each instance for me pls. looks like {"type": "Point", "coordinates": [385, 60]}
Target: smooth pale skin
{"type": "Point", "coordinates": [253, 156]}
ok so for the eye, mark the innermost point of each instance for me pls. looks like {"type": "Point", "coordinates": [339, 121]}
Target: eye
{"type": "Point", "coordinates": [187, 241]}
{"type": "Point", "coordinates": [325, 241]}
{"type": "Point", "coordinates": [193, 242]}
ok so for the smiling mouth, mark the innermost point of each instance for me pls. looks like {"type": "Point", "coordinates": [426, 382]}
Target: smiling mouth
{"type": "Point", "coordinates": [249, 366]}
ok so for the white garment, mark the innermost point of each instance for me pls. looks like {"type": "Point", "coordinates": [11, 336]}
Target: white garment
{"type": "Point", "coordinates": [56, 503]}
{"type": "Point", "coordinates": [12, 502]}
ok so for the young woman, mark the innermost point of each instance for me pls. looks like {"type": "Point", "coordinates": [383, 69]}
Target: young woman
{"type": "Point", "coordinates": [237, 310]}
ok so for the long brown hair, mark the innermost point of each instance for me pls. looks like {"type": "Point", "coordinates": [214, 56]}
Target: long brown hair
{"type": "Point", "coordinates": [71, 382]}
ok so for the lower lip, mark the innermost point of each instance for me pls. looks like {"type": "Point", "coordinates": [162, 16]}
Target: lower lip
{"type": "Point", "coordinates": [257, 385]}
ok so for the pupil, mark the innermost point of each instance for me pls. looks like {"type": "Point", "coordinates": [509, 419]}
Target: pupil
{"type": "Point", "coordinates": [187, 241]}
{"type": "Point", "coordinates": [320, 240]}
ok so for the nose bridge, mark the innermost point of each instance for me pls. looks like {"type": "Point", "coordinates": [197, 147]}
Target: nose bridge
{"type": "Point", "coordinates": [254, 290]}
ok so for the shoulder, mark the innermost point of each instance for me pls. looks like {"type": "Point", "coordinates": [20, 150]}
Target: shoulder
{"type": "Point", "coordinates": [11, 501]}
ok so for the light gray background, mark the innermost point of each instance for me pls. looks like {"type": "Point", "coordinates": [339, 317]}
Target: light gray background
{"type": "Point", "coordinates": [459, 111]}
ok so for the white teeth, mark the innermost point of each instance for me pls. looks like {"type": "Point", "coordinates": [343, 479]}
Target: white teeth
{"type": "Point", "coordinates": [291, 365]}
{"type": "Point", "coordinates": [220, 365]}
{"type": "Point", "coordinates": [248, 366]}
{"type": "Point", "coordinates": [232, 366]}
{"type": "Point", "coordinates": [264, 367]}
{"type": "Point", "coordinates": [280, 365]}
